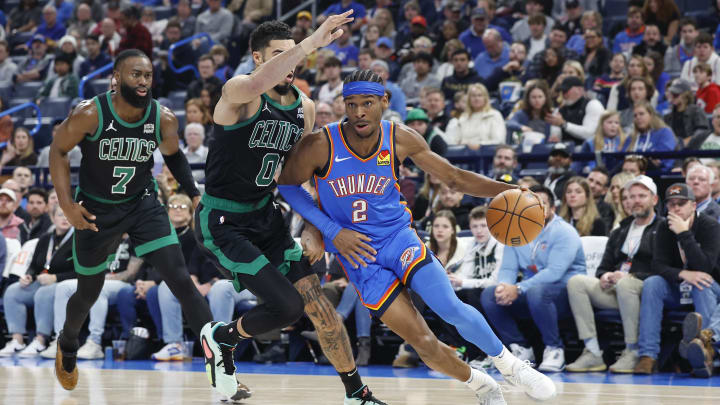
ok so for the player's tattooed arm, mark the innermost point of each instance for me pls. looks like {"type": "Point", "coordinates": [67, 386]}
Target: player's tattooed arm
{"type": "Point", "coordinates": [411, 145]}
{"type": "Point", "coordinates": [331, 331]}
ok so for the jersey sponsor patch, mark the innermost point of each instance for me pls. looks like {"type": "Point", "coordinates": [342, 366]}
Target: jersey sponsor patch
{"type": "Point", "coordinates": [383, 158]}
{"type": "Point", "coordinates": [408, 256]}
{"type": "Point", "coordinates": [149, 128]}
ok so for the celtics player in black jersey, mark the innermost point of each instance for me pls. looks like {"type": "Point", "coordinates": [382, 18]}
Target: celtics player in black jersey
{"type": "Point", "coordinates": [257, 121]}
{"type": "Point", "coordinates": [117, 133]}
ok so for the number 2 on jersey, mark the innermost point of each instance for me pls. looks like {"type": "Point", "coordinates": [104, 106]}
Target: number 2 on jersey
{"type": "Point", "coordinates": [359, 213]}
{"type": "Point", "coordinates": [126, 174]}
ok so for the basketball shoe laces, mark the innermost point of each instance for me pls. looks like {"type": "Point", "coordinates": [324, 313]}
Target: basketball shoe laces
{"type": "Point", "coordinates": [368, 398]}
{"type": "Point", "coordinates": [228, 359]}
{"type": "Point", "coordinates": [524, 375]}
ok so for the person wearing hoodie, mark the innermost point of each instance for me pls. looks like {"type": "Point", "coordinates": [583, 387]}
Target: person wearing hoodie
{"type": "Point", "coordinates": [686, 118]}
{"type": "Point", "coordinates": [651, 134]}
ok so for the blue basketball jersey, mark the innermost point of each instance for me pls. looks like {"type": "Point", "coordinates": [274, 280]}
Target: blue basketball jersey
{"type": "Point", "coordinates": [362, 194]}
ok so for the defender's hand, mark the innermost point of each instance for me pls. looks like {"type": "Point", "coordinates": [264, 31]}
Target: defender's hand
{"type": "Point", "coordinates": [351, 245]}
{"type": "Point", "coordinates": [77, 215]}
{"type": "Point", "coordinates": [312, 244]}
{"type": "Point", "coordinates": [327, 32]}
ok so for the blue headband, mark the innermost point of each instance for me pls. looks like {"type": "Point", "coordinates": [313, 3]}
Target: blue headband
{"type": "Point", "coordinates": [365, 88]}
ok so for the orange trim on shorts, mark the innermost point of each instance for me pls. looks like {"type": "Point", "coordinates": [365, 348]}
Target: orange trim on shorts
{"type": "Point", "coordinates": [384, 298]}
{"type": "Point", "coordinates": [342, 137]}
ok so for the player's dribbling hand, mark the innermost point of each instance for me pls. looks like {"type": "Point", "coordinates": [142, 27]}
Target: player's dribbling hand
{"type": "Point", "coordinates": [327, 32]}
{"type": "Point", "coordinates": [351, 245]}
{"type": "Point", "coordinates": [77, 215]}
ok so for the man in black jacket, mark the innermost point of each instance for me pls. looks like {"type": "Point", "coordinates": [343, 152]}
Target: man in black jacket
{"type": "Point", "coordinates": [462, 76]}
{"type": "Point", "coordinates": [687, 246]}
{"type": "Point", "coordinates": [559, 171]}
{"type": "Point", "coordinates": [618, 281]}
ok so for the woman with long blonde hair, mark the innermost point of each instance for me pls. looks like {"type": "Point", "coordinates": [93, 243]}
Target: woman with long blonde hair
{"type": "Point", "coordinates": [614, 196]}
{"type": "Point", "coordinates": [609, 137]}
{"type": "Point", "coordinates": [579, 209]}
{"type": "Point", "coordinates": [651, 134]}
{"type": "Point", "coordinates": [479, 124]}
{"type": "Point", "coordinates": [384, 20]}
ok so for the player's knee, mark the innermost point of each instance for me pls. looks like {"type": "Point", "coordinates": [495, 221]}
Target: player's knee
{"type": "Point", "coordinates": [290, 309]}
{"type": "Point", "coordinates": [423, 342]}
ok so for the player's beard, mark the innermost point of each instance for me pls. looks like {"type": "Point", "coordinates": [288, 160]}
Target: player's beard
{"type": "Point", "coordinates": [282, 89]}
{"type": "Point", "coordinates": [129, 94]}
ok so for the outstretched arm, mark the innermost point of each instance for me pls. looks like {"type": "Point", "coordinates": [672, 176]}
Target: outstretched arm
{"type": "Point", "coordinates": [411, 145]}
{"type": "Point", "coordinates": [82, 121]}
{"type": "Point", "coordinates": [174, 157]}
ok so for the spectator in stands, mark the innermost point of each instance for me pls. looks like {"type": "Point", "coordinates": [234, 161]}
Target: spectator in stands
{"type": "Point", "coordinates": [19, 210]}
{"type": "Point", "coordinates": [371, 33]}
{"type": "Point", "coordinates": [10, 224]}
{"type": "Point", "coordinates": [478, 267]}
{"type": "Point", "coordinates": [614, 196]}
{"type": "Point", "coordinates": [24, 177]}
{"type": "Point", "coordinates": [599, 181]}
{"type": "Point", "coordinates": [418, 120]}
{"type": "Point", "coordinates": [480, 124]}
{"type": "Point", "coordinates": [590, 19]}
{"type": "Point", "coordinates": [338, 106]}
{"type": "Point", "coordinates": [534, 107]}
{"type": "Point", "coordinates": [397, 102]}
{"type": "Point", "coordinates": [700, 179]}
{"type": "Point", "coordinates": [25, 17]}
{"type": "Point", "coordinates": [6, 123]}
{"type": "Point", "coordinates": [446, 69]}
{"type": "Point", "coordinates": [618, 99]}
{"type": "Point", "coordinates": [194, 150]}
{"type": "Point", "coordinates": [155, 27]}
{"type": "Point", "coordinates": [496, 54]}
{"type": "Point", "coordinates": [462, 76]}
{"type": "Point", "coordinates": [596, 57]}
{"type": "Point", "coordinates": [421, 44]}
{"type": "Point", "coordinates": [421, 77]}
{"type": "Point", "coordinates": [183, 55]}
{"type": "Point", "coordinates": [652, 41]}
{"type": "Point", "coordinates": [365, 58]}
{"type": "Point", "coordinates": [538, 39]}
{"type": "Point", "coordinates": [20, 150]}
{"type": "Point", "coordinates": [75, 155]}
{"type": "Point", "coordinates": [635, 164]}
{"type": "Point", "coordinates": [206, 68]}
{"type": "Point", "coordinates": [109, 37]}
{"type": "Point", "coordinates": [579, 210]}
{"type": "Point", "coordinates": [548, 63]}
{"type": "Point", "coordinates": [342, 6]}
{"type": "Point", "coordinates": [651, 134]}
{"type": "Point", "coordinates": [609, 137]}
{"type": "Point", "coordinates": [504, 161]}
{"type": "Point", "coordinates": [710, 140]}
{"type": "Point", "coordinates": [137, 35]}
{"type": "Point", "coordinates": [96, 58]}
{"type": "Point", "coordinates": [705, 53]}
{"type": "Point", "coordinates": [216, 20]}
{"type": "Point", "coordinates": [51, 263]}
{"type": "Point", "coordinates": [186, 18]}
{"type": "Point", "coordinates": [618, 281]}
{"type": "Point", "coordinates": [433, 102]}
{"type": "Point", "coordinates": [546, 266]}
{"type": "Point", "coordinates": [686, 251]}
{"type": "Point", "coordinates": [40, 221]}
{"type": "Point", "coordinates": [220, 56]}
{"type": "Point", "coordinates": [603, 84]}
{"type": "Point", "coordinates": [472, 37]}
{"type": "Point", "coordinates": [50, 28]}
{"type": "Point", "coordinates": [344, 49]}
{"type": "Point", "coordinates": [569, 68]}
{"type": "Point", "coordinates": [35, 64]}
{"type": "Point", "coordinates": [677, 55]}
{"type": "Point", "coordinates": [384, 51]}
{"type": "Point", "coordinates": [654, 64]}
{"type": "Point", "coordinates": [639, 89]}
{"type": "Point", "coordinates": [8, 68]}
{"type": "Point", "coordinates": [521, 29]}
{"type": "Point", "coordinates": [383, 19]}
{"type": "Point", "coordinates": [333, 85]}
{"type": "Point", "coordinates": [686, 119]}
{"type": "Point", "coordinates": [626, 39]}
{"type": "Point", "coordinates": [202, 272]}
{"type": "Point", "coordinates": [708, 92]}
{"type": "Point", "coordinates": [444, 241]}
{"type": "Point", "coordinates": [67, 46]}
{"type": "Point", "coordinates": [578, 116]}
{"type": "Point", "coordinates": [83, 21]}
{"type": "Point", "coordinates": [427, 197]}
{"type": "Point", "coordinates": [197, 112]}
{"type": "Point", "coordinates": [64, 85]}
{"type": "Point", "coordinates": [452, 200]}
{"type": "Point", "coordinates": [323, 114]}
{"type": "Point", "coordinates": [559, 171]}
{"type": "Point", "coordinates": [664, 14]}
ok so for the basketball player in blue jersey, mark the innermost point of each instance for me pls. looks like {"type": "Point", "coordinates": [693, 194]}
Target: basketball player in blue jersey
{"type": "Point", "coordinates": [257, 121]}
{"type": "Point", "coordinates": [362, 217]}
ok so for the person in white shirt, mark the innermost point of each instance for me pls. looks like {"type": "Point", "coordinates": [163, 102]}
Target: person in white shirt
{"type": "Point", "coordinates": [538, 39]}
{"type": "Point", "coordinates": [195, 151]}
{"type": "Point", "coordinates": [480, 124]}
{"type": "Point", "coordinates": [704, 52]}
{"type": "Point", "coordinates": [334, 84]}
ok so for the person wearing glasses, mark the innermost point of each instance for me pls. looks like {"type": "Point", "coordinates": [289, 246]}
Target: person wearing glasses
{"type": "Point", "coordinates": [685, 257]}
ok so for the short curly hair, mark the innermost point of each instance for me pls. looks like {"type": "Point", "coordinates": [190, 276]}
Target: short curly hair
{"type": "Point", "coordinates": [268, 31]}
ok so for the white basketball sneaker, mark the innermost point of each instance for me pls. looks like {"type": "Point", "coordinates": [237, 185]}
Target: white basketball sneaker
{"type": "Point", "coordinates": [535, 384]}
{"type": "Point", "coordinates": [219, 362]}
{"type": "Point", "coordinates": [488, 393]}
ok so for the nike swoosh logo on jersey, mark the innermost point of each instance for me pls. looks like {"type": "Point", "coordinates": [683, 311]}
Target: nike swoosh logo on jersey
{"type": "Point", "coordinates": [338, 160]}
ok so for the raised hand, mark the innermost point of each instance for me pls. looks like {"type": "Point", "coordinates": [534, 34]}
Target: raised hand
{"type": "Point", "coordinates": [328, 31]}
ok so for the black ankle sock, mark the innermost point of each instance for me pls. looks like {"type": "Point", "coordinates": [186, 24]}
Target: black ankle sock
{"type": "Point", "coordinates": [228, 334]}
{"type": "Point", "coordinates": [353, 383]}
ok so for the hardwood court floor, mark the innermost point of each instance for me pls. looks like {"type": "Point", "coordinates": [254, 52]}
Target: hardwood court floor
{"type": "Point", "coordinates": [35, 385]}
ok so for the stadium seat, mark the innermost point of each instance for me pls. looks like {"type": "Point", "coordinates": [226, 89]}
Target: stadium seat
{"type": "Point", "coordinates": [97, 86]}
{"type": "Point", "coordinates": [594, 248]}
{"type": "Point", "coordinates": [163, 12]}
{"type": "Point", "coordinates": [57, 107]}
{"type": "Point", "coordinates": [487, 152]}
{"type": "Point", "coordinates": [43, 136]}
{"type": "Point", "coordinates": [180, 114]}
{"type": "Point", "coordinates": [27, 90]}
{"type": "Point", "coordinates": [24, 113]}
{"type": "Point", "coordinates": [165, 102]}
{"type": "Point", "coordinates": [177, 99]}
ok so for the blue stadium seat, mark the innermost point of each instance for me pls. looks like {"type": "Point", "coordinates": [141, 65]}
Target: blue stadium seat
{"type": "Point", "coordinates": [56, 107]}
{"type": "Point", "coordinates": [616, 8]}
{"type": "Point", "coordinates": [177, 99]}
{"type": "Point", "coordinates": [180, 114]}
{"type": "Point", "coordinates": [43, 136]}
{"type": "Point", "coordinates": [163, 12]}
{"type": "Point", "coordinates": [6, 92]}
{"type": "Point", "coordinates": [10, 5]}
{"type": "Point", "coordinates": [487, 152]}
{"type": "Point", "coordinates": [24, 113]}
{"type": "Point", "coordinates": [165, 102]}
{"type": "Point", "coordinates": [27, 90]}
{"type": "Point", "coordinates": [97, 86]}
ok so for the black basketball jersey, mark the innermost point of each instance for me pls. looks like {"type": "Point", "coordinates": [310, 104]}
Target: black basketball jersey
{"type": "Point", "coordinates": [117, 160]}
{"type": "Point", "coordinates": [242, 159]}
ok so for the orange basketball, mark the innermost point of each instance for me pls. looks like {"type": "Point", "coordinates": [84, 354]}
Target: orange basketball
{"type": "Point", "coordinates": [515, 218]}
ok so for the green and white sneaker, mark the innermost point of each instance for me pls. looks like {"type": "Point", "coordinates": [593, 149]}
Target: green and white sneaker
{"type": "Point", "coordinates": [365, 398]}
{"type": "Point", "coordinates": [219, 362]}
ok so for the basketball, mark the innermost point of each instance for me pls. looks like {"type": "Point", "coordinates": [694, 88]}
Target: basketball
{"type": "Point", "coordinates": [515, 218]}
